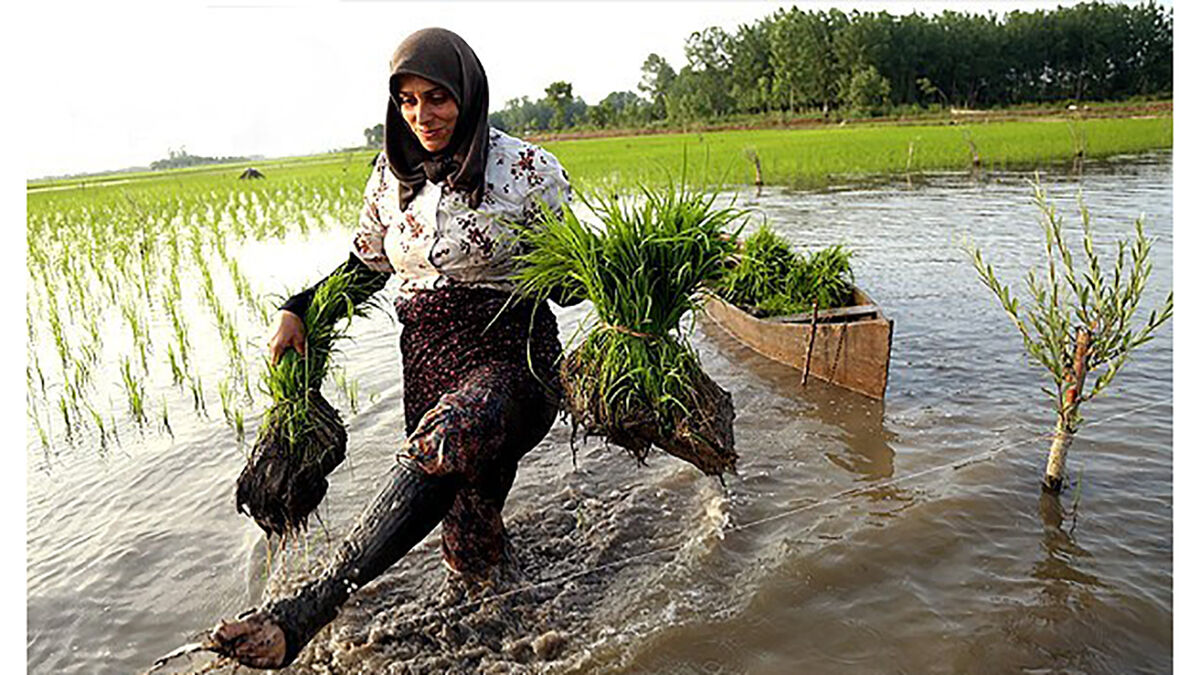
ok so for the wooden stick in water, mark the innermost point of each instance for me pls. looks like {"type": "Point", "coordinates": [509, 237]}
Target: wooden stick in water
{"type": "Point", "coordinates": [812, 335]}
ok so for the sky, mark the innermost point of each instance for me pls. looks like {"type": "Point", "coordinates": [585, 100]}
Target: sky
{"type": "Point", "coordinates": [116, 84]}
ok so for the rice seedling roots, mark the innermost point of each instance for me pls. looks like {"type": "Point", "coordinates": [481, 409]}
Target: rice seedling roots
{"type": "Point", "coordinates": [282, 485]}
{"type": "Point", "coordinates": [703, 436]}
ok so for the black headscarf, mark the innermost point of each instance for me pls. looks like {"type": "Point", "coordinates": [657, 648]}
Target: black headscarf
{"type": "Point", "coordinates": [443, 58]}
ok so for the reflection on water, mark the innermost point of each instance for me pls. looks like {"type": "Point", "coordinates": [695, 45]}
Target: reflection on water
{"type": "Point", "coordinates": [1061, 551]}
{"type": "Point", "coordinates": [819, 556]}
{"type": "Point", "coordinates": [864, 450]}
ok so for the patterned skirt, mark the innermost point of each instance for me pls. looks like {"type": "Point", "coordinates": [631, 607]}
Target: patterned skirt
{"type": "Point", "coordinates": [480, 391]}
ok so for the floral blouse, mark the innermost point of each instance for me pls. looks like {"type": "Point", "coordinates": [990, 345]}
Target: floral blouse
{"type": "Point", "coordinates": [438, 239]}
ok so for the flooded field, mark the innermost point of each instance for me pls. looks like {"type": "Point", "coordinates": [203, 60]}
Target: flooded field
{"type": "Point", "coordinates": [858, 537]}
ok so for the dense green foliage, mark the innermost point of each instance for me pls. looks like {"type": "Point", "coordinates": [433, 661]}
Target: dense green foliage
{"type": "Point", "coordinates": [770, 279]}
{"type": "Point", "coordinates": [868, 62]}
{"type": "Point", "coordinates": [765, 263]}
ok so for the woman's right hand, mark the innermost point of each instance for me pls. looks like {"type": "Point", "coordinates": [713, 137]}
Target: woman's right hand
{"type": "Point", "coordinates": [289, 332]}
{"type": "Point", "coordinates": [253, 640]}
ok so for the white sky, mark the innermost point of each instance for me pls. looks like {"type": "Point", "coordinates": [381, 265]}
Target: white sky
{"type": "Point", "coordinates": [110, 85]}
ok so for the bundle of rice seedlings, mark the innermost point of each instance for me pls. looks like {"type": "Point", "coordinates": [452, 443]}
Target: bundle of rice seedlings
{"type": "Point", "coordinates": [302, 437]}
{"type": "Point", "coordinates": [825, 278]}
{"type": "Point", "coordinates": [769, 279]}
{"type": "Point", "coordinates": [633, 378]}
{"type": "Point", "coordinates": [765, 264]}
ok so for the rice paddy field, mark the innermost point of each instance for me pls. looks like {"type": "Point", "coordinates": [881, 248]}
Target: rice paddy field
{"type": "Point", "coordinates": [818, 157]}
{"type": "Point", "coordinates": [129, 274]}
{"type": "Point", "coordinates": [148, 299]}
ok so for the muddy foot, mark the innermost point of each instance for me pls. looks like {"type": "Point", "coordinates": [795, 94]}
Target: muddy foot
{"type": "Point", "coordinates": [254, 640]}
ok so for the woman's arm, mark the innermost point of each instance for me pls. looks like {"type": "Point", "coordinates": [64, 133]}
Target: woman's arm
{"type": "Point", "coordinates": [364, 282]}
{"type": "Point", "coordinates": [289, 322]}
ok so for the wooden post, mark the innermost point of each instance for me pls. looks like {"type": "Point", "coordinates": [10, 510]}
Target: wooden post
{"type": "Point", "coordinates": [752, 155]}
{"type": "Point", "coordinates": [908, 164]}
{"type": "Point", "coordinates": [812, 336]}
{"type": "Point", "coordinates": [1064, 431]}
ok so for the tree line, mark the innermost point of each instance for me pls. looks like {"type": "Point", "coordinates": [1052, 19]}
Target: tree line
{"type": "Point", "coordinates": [864, 63]}
{"type": "Point", "coordinates": [177, 159]}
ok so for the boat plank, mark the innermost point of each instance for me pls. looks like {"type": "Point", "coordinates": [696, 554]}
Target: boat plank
{"type": "Point", "coordinates": [826, 315]}
{"type": "Point", "coordinates": [853, 352]}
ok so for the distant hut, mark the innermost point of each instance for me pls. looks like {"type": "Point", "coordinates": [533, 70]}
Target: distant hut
{"type": "Point", "coordinates": [251, 172]}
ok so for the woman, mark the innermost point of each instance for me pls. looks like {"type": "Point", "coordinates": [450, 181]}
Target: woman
{"type": "Point", "coordinates": [479, 384]}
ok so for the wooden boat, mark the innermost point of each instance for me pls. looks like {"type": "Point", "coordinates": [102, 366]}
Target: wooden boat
{"type": "Point", "coordinates": [852, 348]}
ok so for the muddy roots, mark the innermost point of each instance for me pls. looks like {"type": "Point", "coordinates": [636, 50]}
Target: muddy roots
{"type": "Point", "coordinates": [283, 483]}
{"type": "Point", "coordinates": [701, 436]}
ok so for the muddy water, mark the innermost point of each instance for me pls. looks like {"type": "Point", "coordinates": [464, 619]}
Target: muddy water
{"type": "Point", "coordinates": [908, 536]}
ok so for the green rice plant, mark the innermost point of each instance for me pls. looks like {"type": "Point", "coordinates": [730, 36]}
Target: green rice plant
{"type": "Point", "coordinates": [348, 387]}
{"type": "Point", "coordinates": [769, 279]}
{"type": "Point", "coordinates": [98, 421]}
{"type": "Point", "coordinates": [92, 348]}
{"type": "Point", "coordinates": [43, 436]}
{"type": "Point", "coordinates": [239, 425]}
{"type": "Point", "coordinates": [196, 386]}
{"type": "Point", "coordinates": [764, 266]}
{"type": "Point", "coordinates": [37, 369]}
{"type": "Point", "coordinates": [293, 379]}
{"type": "Point", "coordinates": [824, 278]}
{"type": "Point", "coordinates": [206, 285]}
{"type": "Point", "coordinates": [145, 266]}
{"type": "Point", "coordinates": [229, 338]}
{"type": "Point", "coordinates": [138, 328]}
{"type": "Point", "coordinates": [135, 392]}
{"type": "Point", "coordinates": [112, 425]}
{"type": "Point", "coordinates": [219, 245]}
{"type": "Point", "coordinates": [166, 422]}
{"type": "Point", "coordinates": [814, 157]}
{"type": "Point", "coordinates": [238, 227]}
{"type": "Point", "coordinates": [30, 331]}
{"type": "Point", "coordinates": [171, 302]}
{"type": "Point", "coordinates": [64, 409]}
{"type": "Point", "coordinates": [634, 378]}
{"type": "Point", "coordinates": [263, 312]}
{"type": "Point", "coordinates": [81, 376]}
{"type": "Point", "coordinates": [223, 390]}
{"type": "Point", "coordinates": [241, 285]}
{"type": "Point", "coordinates": [177, 373]}
{"type": "Point", "coordinates": [60, 337]}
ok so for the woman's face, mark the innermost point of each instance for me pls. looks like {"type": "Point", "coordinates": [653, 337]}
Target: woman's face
{"type": "Point", "coordinates": [429, 110]}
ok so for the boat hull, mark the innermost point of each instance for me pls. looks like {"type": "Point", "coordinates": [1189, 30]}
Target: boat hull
{"type": "Point", "coordinates": [852, 348]}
